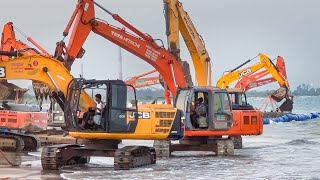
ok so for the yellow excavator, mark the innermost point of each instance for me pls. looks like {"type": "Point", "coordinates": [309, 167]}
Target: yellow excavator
{"type": "Point", "coordinates": [264, 63]}
{"type": "Point", "coordinates": [237, 73]}
{"type": "Point", "coordinates": [117, 121]}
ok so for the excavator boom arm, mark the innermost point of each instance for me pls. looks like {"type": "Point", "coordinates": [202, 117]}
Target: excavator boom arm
{"type": "Point", "coordinates": [259, 83]}
{"type": "Point", "coordinates": [232, 76]}
{"type": "Point", "coordinates": [276, 73]}
{"type": "Point", "coordinates": [249, 81]}
{"type": "Point", "coordinates": [141, 45]}
{"type": "Point", "coordinates": [254, 80]}
{"type": "Point", "coordinates": [265, 62]}
{"type": "Point", "coordinates": [46, 70]}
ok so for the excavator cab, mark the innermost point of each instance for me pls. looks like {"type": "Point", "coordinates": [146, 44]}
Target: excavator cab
{"type": "Point", "coordinates": [116, 115]}
{"type": "Point", "coordinates": [239, 100]}
{"type": "Point", "coordinates": [206, 108]}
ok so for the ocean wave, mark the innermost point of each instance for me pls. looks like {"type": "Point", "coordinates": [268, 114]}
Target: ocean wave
{"type": "Point", "coordinates": [300, 142]}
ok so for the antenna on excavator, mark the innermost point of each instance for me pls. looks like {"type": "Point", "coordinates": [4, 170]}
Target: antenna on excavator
{"type": "Point", "coordinates": [120, 64]}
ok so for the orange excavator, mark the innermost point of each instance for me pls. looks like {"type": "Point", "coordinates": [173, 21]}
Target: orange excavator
{"type": "Point", "coordinates": [212, 122]}
{"type": "Point", "coordinates": [178, 21]}
{"type": "Point", "coordinates": [181, 80]}
{"type": "Point", "coordinates": [198, 140]}
{"type": "Point", "coordinates": [245, 83]}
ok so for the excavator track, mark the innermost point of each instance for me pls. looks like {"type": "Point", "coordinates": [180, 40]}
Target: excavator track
{"type": "Point", "coordinates": [133, 156]}
{"type": "Point", "coordinates": [31, 142]}
{"type": "Point", "coordinates": [162, 148]}
{"type": "Point", "coordinates": [11, 143]}
{"type": "Point", "coordinates": [57, 156]}
{"type": "Point", "coordinates": [15, 141]}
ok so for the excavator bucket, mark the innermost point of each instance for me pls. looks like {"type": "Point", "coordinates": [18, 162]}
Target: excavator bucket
{"type": "Point", "coordinates": [41, 91]}
{"type": "Point", "coordinates": [5, 91]}
{"type": "Point", "coordinates": [287, 106]}
{"type": "Point", "coordinates": [10, 91]}
{"type": "Point", "coordinates": [279, 94]}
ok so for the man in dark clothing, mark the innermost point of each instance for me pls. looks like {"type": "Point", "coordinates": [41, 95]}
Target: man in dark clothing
{"type": "Point", "coordinates": [200, 114]}
{"type": "Point", "coordinates": [195, 112]}
{"type": "Point", "coordinates": [86, 122]}
{"type": "Point", "coordinates": [90, 124]}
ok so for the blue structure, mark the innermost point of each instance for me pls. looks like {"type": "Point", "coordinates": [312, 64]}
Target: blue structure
{"type": "Point", "coordinates": [291, 117]}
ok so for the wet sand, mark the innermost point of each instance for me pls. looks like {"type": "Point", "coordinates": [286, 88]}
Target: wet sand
{"type": "Point", "coordinates": [29, 168]}
{"type": "Point", "coordinates": [283, 151]}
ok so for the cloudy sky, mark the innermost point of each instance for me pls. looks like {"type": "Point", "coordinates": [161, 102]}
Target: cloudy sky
{"type": "Point", "coordinates": [233, 30]}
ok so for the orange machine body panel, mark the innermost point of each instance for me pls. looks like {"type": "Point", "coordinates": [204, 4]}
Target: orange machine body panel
{"type": "Point", "coordinates": [23, 120]}
{"type": "Point", "coordinates": [245, 122]}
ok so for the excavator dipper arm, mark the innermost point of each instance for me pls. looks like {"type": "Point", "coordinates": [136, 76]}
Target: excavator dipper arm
{"type": "Point", "coordinates": [254, 80]}
{"type": "Point", "coordinates": [265, 62]}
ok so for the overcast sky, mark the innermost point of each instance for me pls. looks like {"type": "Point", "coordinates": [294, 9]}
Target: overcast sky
{"type": "Point", "coordinates": [233, 31]}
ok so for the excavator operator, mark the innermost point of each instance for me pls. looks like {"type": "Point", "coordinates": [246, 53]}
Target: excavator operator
{"type": "Point", "coordinates": [198, 113]}
{"type": "Point", "coordinates": [87, 120]}
{"type": "Point", "coordinates": [100, 109]}
{"type": "Point", "coordinates": [90, 124]}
